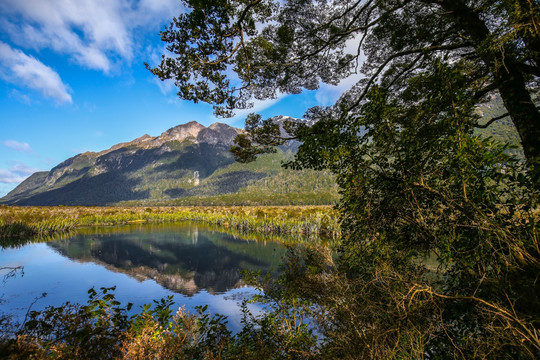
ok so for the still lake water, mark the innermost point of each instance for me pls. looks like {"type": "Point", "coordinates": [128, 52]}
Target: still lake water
{"type": "Point", "coordinates": [196, 264]}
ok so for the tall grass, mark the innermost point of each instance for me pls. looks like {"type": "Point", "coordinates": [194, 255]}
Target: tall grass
{"type": "Point", "coordinates": [23, 229]}
{"type": "Point", "coordinates": [23, 222]}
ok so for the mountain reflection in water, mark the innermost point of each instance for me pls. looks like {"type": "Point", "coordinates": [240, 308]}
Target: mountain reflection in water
{"type": "Point", "coordinates": [183, 258]}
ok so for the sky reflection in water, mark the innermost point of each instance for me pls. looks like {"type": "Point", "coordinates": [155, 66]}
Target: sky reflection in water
{"type": "Point", "coordinates": [194, 263]}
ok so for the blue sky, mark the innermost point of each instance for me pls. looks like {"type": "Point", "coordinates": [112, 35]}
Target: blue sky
{"type": "Point", "coordinates": [72, 80]}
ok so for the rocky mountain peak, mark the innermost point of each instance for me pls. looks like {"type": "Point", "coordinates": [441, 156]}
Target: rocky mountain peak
{"type": "Point", "coordinates": [137, 142]}
{"type": "Point", "coordinates": [109, 168]}
{"type": "Point", "coordinates": [219, 126]}
{"type": "Point", "coordinates": [218, 133]}
{"type": "Point", "coordinates": [182, 132]}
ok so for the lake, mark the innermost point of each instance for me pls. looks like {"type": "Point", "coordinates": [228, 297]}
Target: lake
{"type": "Point", "coordinates": [197, 264]}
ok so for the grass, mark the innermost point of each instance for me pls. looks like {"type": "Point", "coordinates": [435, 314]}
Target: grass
{"type": "Point", "coordinates": [26, 222]}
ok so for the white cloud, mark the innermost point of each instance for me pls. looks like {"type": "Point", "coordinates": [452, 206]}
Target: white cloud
{"type": "Point", "coordinates": [149, 11]}
{"type": "Point", "coordinates": [10, 177]}
{"type": "Point", "coordinates": [166, 86]}
{"type": "Point", "coordinates": [258, 106]}
{"type": "Point", "coordinates": [23, 98]}
{"type": "Point", "coordinates": [23, 169]}
{"type": "Point", "coordinates": [328, 94]}
{"type": "Point", "coordinates": [17, 146]}
{"type": "Point", "coordinates": [16, 174]}
{"type": "Point", "coordinates": [94, 33]}
{"type": "Point", "coordinates": [21, 69]}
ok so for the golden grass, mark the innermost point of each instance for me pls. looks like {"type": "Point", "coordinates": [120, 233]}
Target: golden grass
{"type": "Point", "coordinates": [19, 222]}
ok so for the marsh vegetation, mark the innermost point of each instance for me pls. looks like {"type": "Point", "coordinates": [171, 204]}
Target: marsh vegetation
{"type": "Point", "coordinates": [26, 222]}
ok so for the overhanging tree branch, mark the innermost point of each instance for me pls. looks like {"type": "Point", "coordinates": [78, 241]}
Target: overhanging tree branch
{"type": "Point", "coordinates": [398, 55]}
{"type": "Point", "coordinates": [492, 120]}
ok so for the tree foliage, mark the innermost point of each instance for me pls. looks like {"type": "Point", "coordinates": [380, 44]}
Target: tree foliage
{"type": "Point", "coordinates": [230, 52]}
{"type": "Point", "coordinates": [102, 329]}
{"type": "Point", "coordinates": [416, 182]}
{"type": "Point", "coordinates": [419, 185]}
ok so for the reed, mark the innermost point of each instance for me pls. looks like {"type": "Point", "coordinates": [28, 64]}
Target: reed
{"type": "Point", "coordinates": [22, 222]}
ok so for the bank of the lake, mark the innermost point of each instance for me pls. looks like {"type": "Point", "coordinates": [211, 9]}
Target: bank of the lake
{"type": "Point", "coordinates": [25, 222]}
{"type": "Point", "coordinates": [190, 266]}
{"type": "Point", "coordinates": [67, 250]}
{"type": "Point", "coordinates": [196, 263]}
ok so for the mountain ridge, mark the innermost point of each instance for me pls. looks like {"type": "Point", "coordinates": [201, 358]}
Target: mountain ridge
{"type": "Point", "coordinates": [188, 161]}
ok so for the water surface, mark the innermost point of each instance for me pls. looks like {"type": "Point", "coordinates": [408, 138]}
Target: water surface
{"type": "Point", "coordinates": [197, 264]}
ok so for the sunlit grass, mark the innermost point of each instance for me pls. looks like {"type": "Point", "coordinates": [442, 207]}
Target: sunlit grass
{"type": "Point", "coordinates": [23, 222]}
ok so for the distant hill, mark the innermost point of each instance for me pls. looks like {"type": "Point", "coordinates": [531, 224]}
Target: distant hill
{"type": "Point", "coordinates": [188, 164]}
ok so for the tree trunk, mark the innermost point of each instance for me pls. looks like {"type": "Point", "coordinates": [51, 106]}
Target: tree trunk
{"type": "Point", "coordinates": [508, 78]}
{"type": "Point", "coordinates": [524, 114]}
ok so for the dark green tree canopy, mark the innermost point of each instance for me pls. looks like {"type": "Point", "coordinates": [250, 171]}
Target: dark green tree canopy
{"type": "Point", "coordinates": [230, 52]}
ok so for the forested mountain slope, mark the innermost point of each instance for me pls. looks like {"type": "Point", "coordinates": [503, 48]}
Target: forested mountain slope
{"type": "Point", "coordinates": [188, 164]}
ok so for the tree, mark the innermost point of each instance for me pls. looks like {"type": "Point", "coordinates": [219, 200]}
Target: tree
{"type": "Point", "coordinates": [275, 47]}
{"type": "Point", "coordinates": [416, 182]}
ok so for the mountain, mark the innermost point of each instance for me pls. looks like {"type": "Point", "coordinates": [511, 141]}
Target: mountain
{"type": "Point", "coordinates": [187, 164]}
{"type": "Point", "coordinates": [502, 130]}
{"type": "Point", "coordinates": [184, 258]}
{"type": "Point", "coordinates": [190, 164]}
